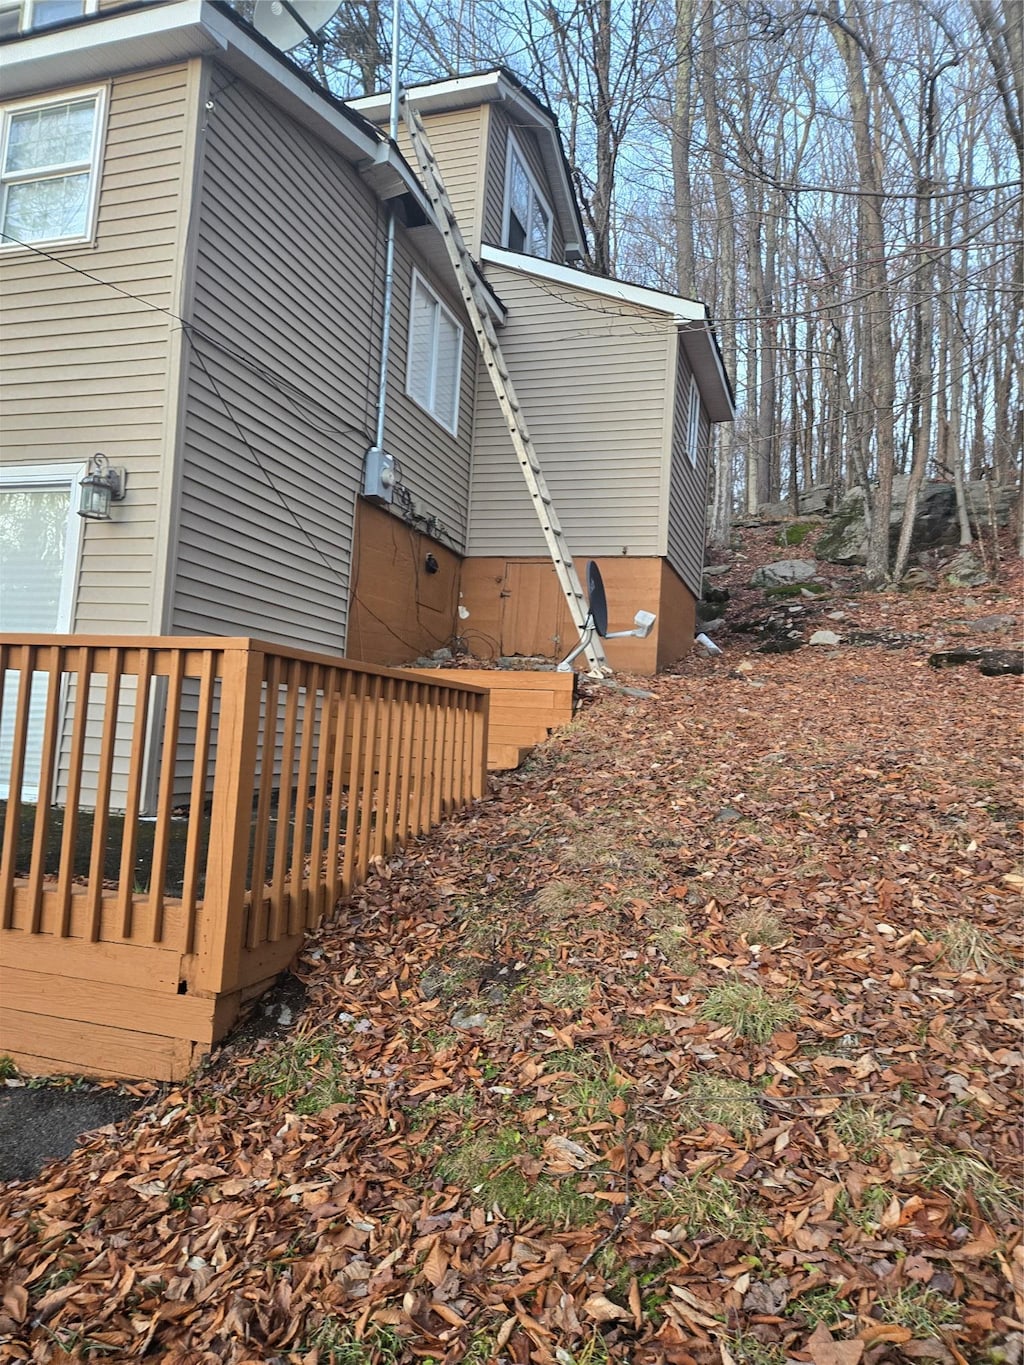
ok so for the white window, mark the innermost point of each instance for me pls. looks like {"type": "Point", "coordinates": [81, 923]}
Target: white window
{"type": "Point", "coordinates": [40, 533]}
{"type": "Point", "coordinates": [434, 366]}
{"type": "Point", "coordinates": [19, 16]}
{"type": "Point", "coordinates": [693, 422]}
{"type": "Point", "coordinates": [527, 214]}
{"type": "Point", "coordinates": [49, 169]}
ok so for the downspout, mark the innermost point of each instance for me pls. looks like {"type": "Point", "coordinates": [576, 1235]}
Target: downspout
{"type": "Point", "coordinates": [389, 256]}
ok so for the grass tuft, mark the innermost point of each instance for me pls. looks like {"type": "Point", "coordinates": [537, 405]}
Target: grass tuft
{"type": "Point", "coordinates": [731, 1104]}
{"type": "Point", "coordinates": [920, 1310]}
{"type": "Point", "coordinates": [748, 1010]}
{"type": "Point", "coordinates": [307, 1070]}
{"type": "Point", "coordinates": [336, 1343]}
{"type": "Point", "coordinates": [758, 925]}
{"type": "Point", "coordinates": [959, 1174]}
{"type": "Point", "coordinates": [969, 948]}
{"type": "Point", "coordinates": [486, 1165]}
{"type": "Point", "coordinates": [862, 1129]}
{"type": "Point", "coordinates": [8, 1070]}
{"type": "Point", "coordinates": [707, 1204]}
{"type": "Point", "coordinates": [565, 990]}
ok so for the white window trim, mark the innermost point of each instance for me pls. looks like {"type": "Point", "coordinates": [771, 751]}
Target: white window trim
{"type": "Point", "coordinates": [693, 422]}
{"type": "Point", "coordinates": [99, 129]}
{"type": "Point", "coordinates": [27, 8]}
{"type": "Point", "coordinates": [418, 281]}
{"type": "Point", "coordinates": [56, 476]}
{"type": "Point", "coordinates": [515, 150]}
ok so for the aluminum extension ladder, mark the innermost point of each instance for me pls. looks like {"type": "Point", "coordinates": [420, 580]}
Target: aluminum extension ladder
{"type": "Point", "coordinates": [473, 289]}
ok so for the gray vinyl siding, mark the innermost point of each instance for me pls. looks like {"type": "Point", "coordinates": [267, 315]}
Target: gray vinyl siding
{"type": "Point", "coordinates": [688, 484]}
{"type": "Point", "coordinates": [87, 369]}
{"type": "Point", "coordinates": [282, 383]}
{"type": "Point", "coordinates": [592, 379]}
{"type": "Point", "coordinates": [494, 184]}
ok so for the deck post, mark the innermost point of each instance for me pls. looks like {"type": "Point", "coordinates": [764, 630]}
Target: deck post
{"type": "Point", "coordinates": [221, 922]}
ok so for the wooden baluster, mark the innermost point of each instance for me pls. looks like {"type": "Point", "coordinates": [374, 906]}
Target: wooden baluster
{"type": "Point", "coordinates": [437, 771]}
{"type": "Point", "coordinates": [66, 876]}
{"type": "Point", "coordinates": [101, 810]}
{"type": "Point", "coordinates": [382, 783]}
{"type": "Point", "coordinates": [403, 817]}
{"type": "Point", "coordinates": [197, 804]}
{"type": "Point", "coordinates": [478, 768]}
{"type": "Point", "coordinates": [165, 797]}
{"type": "Point", "coordinates": [44, 795]}
{"type": "Point", "coordinates": [353, 818]}
{"type": "Point", "coordinates": [298, 892]}
{"type": "Point", "coordinates": [25, 657]}
{"type": "Point", "coordinates": [318, 874]}
{"type": "Point", "coordinates": [261, 835]}
{"type": "Point", "coordinates": [278, 892]}
{"type": "Point", "coordinates": [392, 831]}
{"type": "Point", "coordinates": [133, 794]}
{"type": "Point", "coordinates": [342, 708]}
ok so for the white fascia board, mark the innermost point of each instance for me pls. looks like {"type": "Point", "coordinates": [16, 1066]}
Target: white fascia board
{"type": "Point", "coordinates": [701, 347]}
{"type": "Point", "coordinates": [104, 45]}
{"type": "Point", "coordinates": [683, 310]}
{"type": "Point", "coordinates": [460, 93]}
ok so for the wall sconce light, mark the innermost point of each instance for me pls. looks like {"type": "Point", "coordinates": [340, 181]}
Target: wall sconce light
{"type": "Point", "coordinates": [102, 485]}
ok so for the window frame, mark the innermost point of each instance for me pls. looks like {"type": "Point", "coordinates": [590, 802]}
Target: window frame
{"type": "Point", "coordinates": [514, 150]}
{"type": "Point", "coordinates": [419, 281]}
{"type": "Point", "coordinates": [693, 422]}
{"type": "Point", "coordinates": [100, 95]}
{"type": "Point", "coordinates": [43, 476]}
{"type": "Point", "coordinates": [27, 9]}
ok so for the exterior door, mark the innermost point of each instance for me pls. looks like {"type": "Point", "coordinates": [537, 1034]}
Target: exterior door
{"type": "Point", "coordinates": [39, 541]}
{"type": "Point", "coordinates": [535, 618]}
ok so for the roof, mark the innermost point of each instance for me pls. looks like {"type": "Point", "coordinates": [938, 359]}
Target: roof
{"type": "Point", "coordinates": [499, 86]}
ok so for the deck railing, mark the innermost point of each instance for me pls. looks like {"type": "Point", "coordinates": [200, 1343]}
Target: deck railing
{"type": "Point", "coordinates": [211, 797]}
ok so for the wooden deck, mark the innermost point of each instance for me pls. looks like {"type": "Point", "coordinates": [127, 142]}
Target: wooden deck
{"type": "Point", "coordinates": [525, 707]}
{"type": "Point", "coordinates": [133, 926]}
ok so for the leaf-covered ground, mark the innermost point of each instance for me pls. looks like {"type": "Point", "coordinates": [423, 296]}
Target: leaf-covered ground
{"type": "Point", "coordinates": [700, 1041]}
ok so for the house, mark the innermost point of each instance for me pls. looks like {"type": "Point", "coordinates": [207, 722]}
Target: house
{"type": "Point", "coordinates": [192, 274]}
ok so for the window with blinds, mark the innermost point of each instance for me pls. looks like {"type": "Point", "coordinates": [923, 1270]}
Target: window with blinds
{"type": "Point", "coordinates": [434, 363]}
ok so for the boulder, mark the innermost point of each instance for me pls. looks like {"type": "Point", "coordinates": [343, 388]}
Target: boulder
{"type": "Point", "coordinates": [784, 571]}
{"type": "Point", "coordinates": [983, 498]}
{"type": "Point", "coordinates": [825, 637]}
{"type": "Point", "coordinates": [991, 625]}
{"type": "Point", "coordinates": [845, 540]}
{"type": "Point", "coordinates": [965, 570]}
{"type": "Point", "coordinates": [774, 511]}
{"type": "Point", "coordinates": [816, 502]}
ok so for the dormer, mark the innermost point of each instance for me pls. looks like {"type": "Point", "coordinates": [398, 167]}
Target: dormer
{"type": "Point", "coordinates": [501, 156]}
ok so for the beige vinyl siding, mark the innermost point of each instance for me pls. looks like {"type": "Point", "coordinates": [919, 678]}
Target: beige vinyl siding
{"type": "Point", "coordinates": [688, 486]}
{"type": "Point", "coordinates": [591, 379]}
{"type": "Point", "coordinates": [282, 383]}
{"type": "Point", "coordinates": [494, 185]}
{"type": "Point", "coordinates": [459, 140]}
{"type": "Point", "coordinates": [87, 369]}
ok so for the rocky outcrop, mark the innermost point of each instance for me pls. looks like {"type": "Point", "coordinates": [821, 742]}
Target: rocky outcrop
{"type": "Point", "coordinates": [784, 572]}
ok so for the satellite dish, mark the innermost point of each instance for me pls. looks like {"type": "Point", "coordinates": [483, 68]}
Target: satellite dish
{"type": "Point", "coordinates": [598, 600]}
{"type": "Point", "coordinates": [287, 23]}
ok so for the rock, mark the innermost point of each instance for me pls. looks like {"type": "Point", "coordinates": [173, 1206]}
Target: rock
{"type": "Point", "coordinates": [991, 625]}
{"type": "Point", "coordinates": [998, 663]}
{"type": "Point", "coordinates": [715, 594]}
{"type": "Point", "coordinates": [709, 627]}
{"type": "Point", "coordinates": [837, 615]}
{"type": "Point", "coordinates": [715, 570]}
{"type": "Point", "coordinates": [993, 663]}
{"type": "Point", "coordinates": [845, 541]}
{"type": "Point", "coordinates": [816, 502]}
{"type": "Point", "coordinates": [965, 570]}
{"type": "Point", "coordinates": [784, 571]}
{"type": "Point", "coordinates": [785, 644]}
{"type": "Point", "coordinates": [774, 511]}
{"type": "Point", "coordinates": [727, 815]}
{"type": "Point", "coordinates": [707, 611]}
{"type": "Point", "coordinates": [466, 1018]}
{"type": "Point", "coordinates": [825, 637]}
{"type": "Point", "coordinates": [917, 578]}
{"type": "Point", "coordinates": [984, 497]}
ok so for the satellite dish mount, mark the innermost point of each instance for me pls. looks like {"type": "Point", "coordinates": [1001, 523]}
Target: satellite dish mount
{"type": "Point", "coordinates": [597, 620]}
{"type": "Point", "coordinates": [287, 23]}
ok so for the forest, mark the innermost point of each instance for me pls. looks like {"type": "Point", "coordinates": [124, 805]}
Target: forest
{"type": "Point", "coordinates": [840, 184]}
